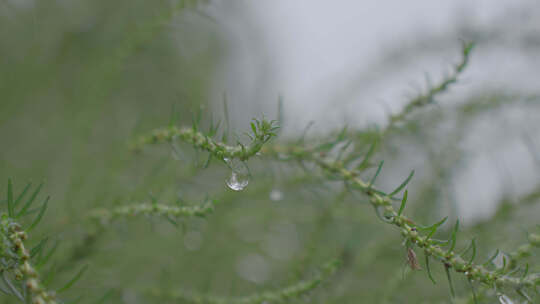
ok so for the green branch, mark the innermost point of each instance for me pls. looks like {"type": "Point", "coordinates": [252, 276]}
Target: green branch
{"type": "Point", "coordinates": [415, 234]}
{"type": "Point", "coordinates": [105, 216]}
{"type": "Point", "coordinates": [427, 98]}
{"type": "Point", "coordinates": [296, 151]}
{"type": "Point", "coordinates": [279, 296]}
{"type": "Point", "coordinates": [509, 265]}
{"type": "Point", "coordinates": [16, 258]}
{"type": "Point", "coordinates": [383, 202]}
{"type": "Point", "coordinates": [411, 232]}
{"type": "Point", "coordinates": [262, 131]}
{"type": "Point", "coordinates": [13, 248]}
{"type": "Point", "coordinates": [523, 251]}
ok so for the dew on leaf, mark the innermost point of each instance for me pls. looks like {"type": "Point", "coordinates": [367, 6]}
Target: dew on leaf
{"type": "Point", "coordinates": [239, 178]}
{"type": "Point", "coordinates": [176, 153]}
{"type": "Point", "coordinates": [237, 182]}
{"type": "Point", "coordinates": [384, 214]}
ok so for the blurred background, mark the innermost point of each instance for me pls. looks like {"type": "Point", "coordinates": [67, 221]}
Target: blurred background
{"type": "Point", "coordinates": [80, 79]}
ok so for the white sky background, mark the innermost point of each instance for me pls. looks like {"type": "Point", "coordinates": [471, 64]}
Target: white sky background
{"type": "Point", "coordinates": [324, 58]}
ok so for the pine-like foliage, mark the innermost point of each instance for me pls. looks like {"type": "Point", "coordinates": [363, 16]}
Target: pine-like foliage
{"type": "Point", "coordinates": [190, 211]}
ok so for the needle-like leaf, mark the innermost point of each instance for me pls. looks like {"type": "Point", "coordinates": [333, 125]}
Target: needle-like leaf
{"type": "Point", "coordinates": [429, 269]}
{"type": "Point", "coordinates": [30, 201]}
{"type": "Point", "coordinates": [372, 181]}
{"type": "Point", "coordinates": [73, 280]}
{"type": "Point", "coordinates": [403, 202]}
{"type": "Point", "coordinates": [22, 194]}
{"type": "Point", "coordinates": [450, 284]}
{"type": "Point", "coordinates": [405, 182]}
{"type": "Point", "coordinates": [40, 215]}
{"type": "Point", "coordinates": [454, 237]}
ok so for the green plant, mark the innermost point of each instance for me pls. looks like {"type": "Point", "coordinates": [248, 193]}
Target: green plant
{"type": "Point", "coordinates": [337, 168]}
{"type": "Point", "coordinates": [21, 265]}
{"type": "Point", "coordinates": [102, 240]}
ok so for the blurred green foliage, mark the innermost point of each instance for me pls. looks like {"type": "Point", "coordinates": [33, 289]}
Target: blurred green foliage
{"type": "Point", "coordinates": [78, 79]}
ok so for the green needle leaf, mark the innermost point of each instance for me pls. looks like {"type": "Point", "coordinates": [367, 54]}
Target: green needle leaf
{"type": "Point", "coordinates": [23, 193]}
{"type": "Point", "coordinates": [473, 290]}
{"type": "Point", "coordinates": [342, 134]}
{"type": "Point", "coordinates": [490, 260]}
{"type": "Point", "coordinates": [525, 272]}
{"type": "Point", "coordinates": [10, 198]}
{"type": "Point", "coordinates": [473, 255]}
{"type": "Point", "coordinates": [38, 248]}
{"type": "Point", "coordinates": [365, 162]}
{"type": "Point", "coordinates": [433, 228]}
{"type": "Point", "coordinates": [454, 236]}
{"type": "Point", "coordinates": [50, 275]}
{"type": "Point", "coordinates": [207, 162]}
{"type": "Point", "coordinates": [253, 128]}
{"type": "Point", "coordinates": [47, 257]}
{"type": "Point", "coordinates": [429, 269]}
{"type": "Point", "coordinates": [452, 292]}
{"type": "Point", "coordinates": [405, 182]}
{"type": "Point", "coordinates": [343, 149]}
{"type": "Point", "coordinates": [74, 280]}
{"type": "Point", "coordinates": [403, 202]}
{"type": "Point", "coordinates": [30, 201]}
{"type": "Point", "coordinates": [40, 214]}
{"type": "Point", "coordinates": [376, 174]}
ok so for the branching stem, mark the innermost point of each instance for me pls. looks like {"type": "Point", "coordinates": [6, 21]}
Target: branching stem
{"type": "Point", "coordinates": [262, 132]}
{"type": "Point", "coordinates": [108, 215]}
{"type": "Point", "coordinates": [279, 296]}
{"type": "Point", "coordinates": [14, 237]}
{"type": "Point", "coordinates": [409, 231]}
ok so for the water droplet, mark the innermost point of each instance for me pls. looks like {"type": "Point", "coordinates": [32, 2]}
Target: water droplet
{"type": "Point", "coordinates": [276, 195]}
{"type": "Point", "coordinates": [504, 299]}
{"type": "Point", "coordinates": [176, 152]}
{"type": "Point", "coordinates": [239, 178]}
{"type": "Point", "coordinates": [499, 260]}
{"type": "Point", "coordinates": [236, 183]}
{"type": "Point", "coordinates": [384, 214]}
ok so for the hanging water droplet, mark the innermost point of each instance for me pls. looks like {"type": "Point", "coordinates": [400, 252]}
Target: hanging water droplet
{"type": "Point", "coordinates": [236, 182]}
{"type": "Point", "coordinates": [276, 195]}
{"type": "Point", "coordinates": [384, 214]}
{"type": "Point", "coordinates": [176, 153]}
{"type": "Point", "coordinates": [504, 299]}
{"type": "Point", "coordinates": [239, 178]}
